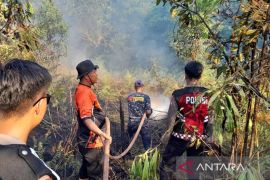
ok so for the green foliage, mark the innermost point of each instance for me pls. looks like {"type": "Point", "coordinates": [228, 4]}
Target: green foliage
{"type": "Point", "coordinates": [145, 166]}
{"type": "Point", "coordinates": [235, 44]}
{"type": "Point", "coordinates": [18, 38]}
{"type": "Point", "coordinates": [221, 100]}
{"type": "Point", "coordinates": [191, 34]}
{"type": "Point", "coordinates": [22, 37]}
{"type": "Point", "coordinates": [227, 110]}
{"type": "Point", "coordinates": [250, 173]}
{"type": "Point", "coordinates": [52, 28]}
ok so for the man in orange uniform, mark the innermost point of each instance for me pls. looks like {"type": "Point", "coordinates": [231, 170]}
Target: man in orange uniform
{"type": "Point", "coordinates": [90, 120]}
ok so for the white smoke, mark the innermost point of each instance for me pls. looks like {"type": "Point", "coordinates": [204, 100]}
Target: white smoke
{"type": "Point", "coordinates": [160, 105]}
{"type": "Point", "coordinates": [122, 35]}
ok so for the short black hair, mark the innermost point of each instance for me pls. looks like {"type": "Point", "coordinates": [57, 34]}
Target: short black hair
{"type": "Point", "coordinates": [194, 69]}
{"type": "Point", "coordinates": [21, 81]}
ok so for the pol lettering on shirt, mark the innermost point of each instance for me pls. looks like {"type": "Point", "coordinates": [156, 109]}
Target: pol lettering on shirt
{"type": "Point", "coordinates": [193, 100]}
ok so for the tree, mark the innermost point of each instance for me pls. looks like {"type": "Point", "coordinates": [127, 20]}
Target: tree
{"type": "Point", "coordinates": [25, 34]}
{"type": "Point", "coordinates": [52, 29]}
{"type": "Point", "coordinates": [18, 38]}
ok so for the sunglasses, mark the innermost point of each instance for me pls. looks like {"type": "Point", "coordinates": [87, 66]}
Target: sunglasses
{"type": "Point", "coordinates": [48, 97]}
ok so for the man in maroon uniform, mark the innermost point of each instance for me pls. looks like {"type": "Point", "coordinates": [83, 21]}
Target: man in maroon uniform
{"type": "Point", "coordinates": [189, 109]}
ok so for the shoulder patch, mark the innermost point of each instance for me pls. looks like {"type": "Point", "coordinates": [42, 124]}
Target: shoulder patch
{"type": "Point", "coordinates": [179, 92]}
{"type": "Point", "coordinates": [36, 164]}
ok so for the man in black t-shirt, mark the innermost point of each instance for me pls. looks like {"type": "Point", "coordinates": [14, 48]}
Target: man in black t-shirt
{"type": "Point", "coordinates": [23, 102]}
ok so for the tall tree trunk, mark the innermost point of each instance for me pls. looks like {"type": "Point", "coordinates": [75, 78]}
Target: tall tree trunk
{"type": "Point", "coordinates": [249, 108]}
{"type": "Point", "coordinates": [234, 141]}
{"type": "Point", "coordinates": [254, 139]}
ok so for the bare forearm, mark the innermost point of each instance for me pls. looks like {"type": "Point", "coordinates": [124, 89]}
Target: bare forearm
{"type": "Point", "coordinates": [92, 126]}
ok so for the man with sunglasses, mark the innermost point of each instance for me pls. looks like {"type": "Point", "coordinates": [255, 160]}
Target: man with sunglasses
{"type": "Point", "coordinates": [23, 102]}
{"type": "Point", "coordinates": [90, 120]}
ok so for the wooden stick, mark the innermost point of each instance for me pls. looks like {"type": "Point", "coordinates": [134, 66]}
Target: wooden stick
{"type": "Point", "coordinates": [106, 165]}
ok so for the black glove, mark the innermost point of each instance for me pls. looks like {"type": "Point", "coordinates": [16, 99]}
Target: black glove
{"type": "Point", "coordinates": [148, 112]}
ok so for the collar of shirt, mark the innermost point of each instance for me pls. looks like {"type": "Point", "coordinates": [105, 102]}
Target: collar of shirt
{"type": "Point", "coordinates": [6, 140]}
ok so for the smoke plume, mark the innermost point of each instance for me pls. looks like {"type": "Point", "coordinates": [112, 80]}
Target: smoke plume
{"type": "Point", "coordinates": [121, 35]}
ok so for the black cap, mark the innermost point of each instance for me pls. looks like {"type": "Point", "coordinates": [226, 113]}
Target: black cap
{"type": "Point", "coordinates": [138, 83]}
{"type": "Point", "coordinates": [85, 67]}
